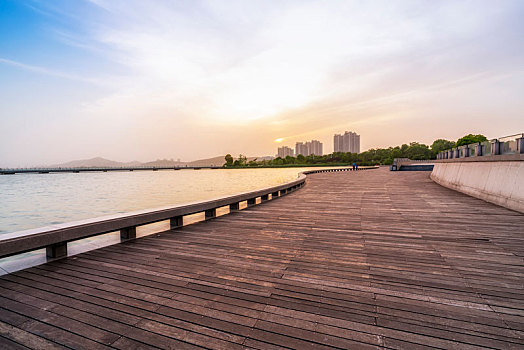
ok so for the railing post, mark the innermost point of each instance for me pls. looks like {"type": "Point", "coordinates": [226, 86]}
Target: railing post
{"type": "Point", "coordinates": [520, 145]}
{"type": "Point", "coordinates": [478, 150]}
{"type": "Point", "coordinates": [57, 250]}
{"type": "Point", "coordinates": [234, 207]}
{"type": "Point", "coordinates": [210, 213]}
{"type": "Point", "coordinates": [176, 222]}
{"type": "Point", "coordinates": [128, 233]}
{"type": "Point", "coordinates": [495, 147]}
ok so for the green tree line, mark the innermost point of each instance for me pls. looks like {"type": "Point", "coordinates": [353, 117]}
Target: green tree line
{"type": "Point", "coordinates": [383, 156]}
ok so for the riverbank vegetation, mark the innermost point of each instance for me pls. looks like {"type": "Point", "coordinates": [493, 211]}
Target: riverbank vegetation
{"type": "Point", "coordinates": [382, 156]}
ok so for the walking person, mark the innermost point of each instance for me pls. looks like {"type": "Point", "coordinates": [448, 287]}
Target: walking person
{"type": "Point", "coordinates": [353, 166]}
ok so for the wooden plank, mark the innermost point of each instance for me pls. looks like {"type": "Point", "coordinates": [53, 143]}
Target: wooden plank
{"type": "Point", "coordinates": [353, 260]}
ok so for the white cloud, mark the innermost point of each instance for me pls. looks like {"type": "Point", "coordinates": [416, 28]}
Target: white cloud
{"type": "Point", "coordinates": [291, 67]}
{"type": "Point", "coordinates": [248, 60]}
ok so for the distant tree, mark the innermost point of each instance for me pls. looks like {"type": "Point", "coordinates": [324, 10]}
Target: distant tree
{"type": "Point", "coordinates": [441, 145]}
{"type": "Point", "coordinates": [241, 161]}
{"type": "Point", "coordinates": [289, 160]}
{"type": "Point", "coordinates": [229, 160]}
{"type": "Point", "coordinates": [418, 151]}
{"type": "Point", "coordinates": [278, 161]}
{"type": "Point", "coordinates": [396, 153]}
{"type": "Point", "coordinates": [301, 159]}
{"type": "Point", "coordinates": [470, 138]}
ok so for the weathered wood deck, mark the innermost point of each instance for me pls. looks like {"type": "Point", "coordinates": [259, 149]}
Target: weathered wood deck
{"type": "Point", "coordinates": [372, 259]}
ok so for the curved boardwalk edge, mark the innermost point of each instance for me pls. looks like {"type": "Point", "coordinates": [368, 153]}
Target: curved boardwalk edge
{"type": "Point", "coordinates": [55, 238]}
{"type": "Point", "coordinates": [369, 261]}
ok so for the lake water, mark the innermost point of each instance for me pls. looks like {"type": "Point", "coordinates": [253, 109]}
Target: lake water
{"type": "Point", "coordinates": [34, 200]}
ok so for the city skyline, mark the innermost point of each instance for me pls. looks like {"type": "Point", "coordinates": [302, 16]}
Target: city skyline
{"type": "Point", "coordinates": [139, 80]}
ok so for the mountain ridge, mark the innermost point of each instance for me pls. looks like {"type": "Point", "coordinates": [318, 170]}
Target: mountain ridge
{"type": "Point", "coordinates": [104, 162]}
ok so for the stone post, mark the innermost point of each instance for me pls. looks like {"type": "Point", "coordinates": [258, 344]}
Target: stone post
{"type": "Point", "coordinates": [478, 149]}
{"type": "Point", "coordinates": [520, 145]}
{"type": "Point", "coordinates": [495, 147]}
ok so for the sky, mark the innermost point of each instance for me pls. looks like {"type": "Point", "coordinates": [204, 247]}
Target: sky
{"type": "Point", "coordinates": [144, 80]}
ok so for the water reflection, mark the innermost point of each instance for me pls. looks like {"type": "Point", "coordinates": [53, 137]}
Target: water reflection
{"type": "Point", "coordinates": [36, 200]}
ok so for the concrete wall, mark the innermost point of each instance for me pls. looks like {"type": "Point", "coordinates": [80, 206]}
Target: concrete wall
{"type": "Point", "coordinates": [501, 182]}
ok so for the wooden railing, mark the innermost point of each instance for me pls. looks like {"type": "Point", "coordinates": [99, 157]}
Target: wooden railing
{"type": "Point", "coordinates": [55, 238]}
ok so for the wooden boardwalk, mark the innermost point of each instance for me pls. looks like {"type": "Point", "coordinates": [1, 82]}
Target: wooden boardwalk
{"type": "Point", "coordinates": [365, 260]}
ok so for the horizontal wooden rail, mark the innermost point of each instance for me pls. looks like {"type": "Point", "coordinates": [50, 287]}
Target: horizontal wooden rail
{"type": "Point", "coordinates": [55, 238]}
{"type": "Point", "coordinates": [12, 171]}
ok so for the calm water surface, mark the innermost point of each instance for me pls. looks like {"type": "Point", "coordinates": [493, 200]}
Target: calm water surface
{"type": "Point", "coordinates": [35, 200]}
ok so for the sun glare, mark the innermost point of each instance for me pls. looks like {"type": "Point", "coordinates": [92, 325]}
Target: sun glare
{"type": "Point", "coordinates": [279, 139]}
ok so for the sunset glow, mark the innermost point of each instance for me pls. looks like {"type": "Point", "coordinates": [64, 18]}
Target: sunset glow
{"type": "Point", "coordinates": [142, 80]}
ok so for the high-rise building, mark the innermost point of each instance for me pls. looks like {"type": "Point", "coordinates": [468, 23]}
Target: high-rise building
{"type": "Point", "coordinates": [338, 143]}
{"type": "Point", "coordinates": [301, 148]}
{"type": "Point", "coordinates": [309, 148]}
{"type": "Point", "coordinates": [285, 151]}
{"type": "Point", "coordinates": [349, 142]}
{"type": "Point", "coordinates": [315, 147]}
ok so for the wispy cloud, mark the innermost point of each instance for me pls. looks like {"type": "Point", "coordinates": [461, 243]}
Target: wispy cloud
{"type": "Point", "coordinates": [50, 72]}
{"type": "Point", "coordinates": [253, 71]}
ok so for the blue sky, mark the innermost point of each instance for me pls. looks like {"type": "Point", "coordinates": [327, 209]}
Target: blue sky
{"type": "Point", "coordinates": [141, 80]}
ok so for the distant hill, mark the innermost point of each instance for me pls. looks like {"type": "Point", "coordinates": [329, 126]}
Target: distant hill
{"type": "Point", "coordinates": [215, 161]}
{"type": "Point", "coordinates": [95, 162]}
{"type": "Point", "coordinates": [102, 162]}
